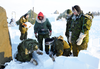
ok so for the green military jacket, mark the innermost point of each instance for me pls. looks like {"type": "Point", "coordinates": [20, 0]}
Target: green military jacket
{"type": "Point", "coordinates": [58, 46]}
{"type": "Point", "coordinates": [42, 27]}
{"type": "Point", "coordinates": [21, 21]}
{"type": "Point", "coordinates": [80, 24]}
{"type": "Point", "coordinates": [25, 49]}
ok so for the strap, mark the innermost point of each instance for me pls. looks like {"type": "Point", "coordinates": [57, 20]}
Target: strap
{"type": "Point", "coordinates": [83, 23]}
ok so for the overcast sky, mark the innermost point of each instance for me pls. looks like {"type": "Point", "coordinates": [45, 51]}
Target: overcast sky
{"type": "Point", "coordinates": [47, 6]}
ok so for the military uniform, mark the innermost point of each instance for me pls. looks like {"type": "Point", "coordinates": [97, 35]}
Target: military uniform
{"type": "Point", "coordinates": [68, 25]}
{"type": "Point", "coordinates": [22, 28]}
{"type": "Point", "coordinates": [25, 49]}
{"type": "Point", "coordinates": [80, 24]}
{"type": "Point", "coordinates": [43, 28]}
{"type": "Point", "coordinates": [60, 47]}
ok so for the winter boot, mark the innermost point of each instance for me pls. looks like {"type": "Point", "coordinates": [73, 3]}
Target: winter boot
{"type": "Point", "coordinates": [34, 61]}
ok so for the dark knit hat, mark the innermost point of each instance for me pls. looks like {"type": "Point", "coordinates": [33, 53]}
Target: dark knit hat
{"type": "Point", "coordinates": [69, 11]}
{"type": "Point", "coordinates": [26, 15]}
{"type": "Point", "coordinates": [78, 9]}
{"type": "Point", "coordinates": [49, 39]}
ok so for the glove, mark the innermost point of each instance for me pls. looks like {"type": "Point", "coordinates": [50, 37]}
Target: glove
{"type": "Point", "coordinates": [39, 52]}
{"type": "Point", "coordinates": [36, 35]}
{"type": "Point", "coordinates": [51, 54]}
{"type": "Point", "coordinates": [50, 33]}
{"type": "Point", "coordinates": [53, 58]}
{"type": "Point", "coordinates": [70, 34]}
{"type": "Point", "coordinates": [34, 61]}
{"type": "Point", "coordinates": [24, 24]}
{"type": "Point", "coordinates": [80, 39]}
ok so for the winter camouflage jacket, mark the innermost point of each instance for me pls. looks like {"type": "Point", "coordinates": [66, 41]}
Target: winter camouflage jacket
{"type": "Point", "coordinates": [21, 21]}
{"type": "Point", "coordinates": [80, 24]}
{"type": "Point", "coordinates": [68, 25]}
{"type": "Point", "coordinates": [58, 46]}
{"type": "Point", "coordinates": [25, 49]}
{"type": "Point", "coordinates": [42, 27]}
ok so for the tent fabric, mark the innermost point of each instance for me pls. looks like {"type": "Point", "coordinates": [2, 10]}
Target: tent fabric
{"type": "Point", "coordinates": [5, 45]}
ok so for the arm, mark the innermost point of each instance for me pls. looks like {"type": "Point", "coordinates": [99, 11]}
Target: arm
{"type": "Point", "coordinates": [35, 27]}
{"type": "Point", "coordinates": [49, 25]}
{"type": "Point", "coordinates": [87, 25]}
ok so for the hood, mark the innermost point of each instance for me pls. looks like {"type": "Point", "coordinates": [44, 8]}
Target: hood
{"type": "Point", "coordinates": [40, 21]}
{"type": "Point", "coordinates": [41, 14]}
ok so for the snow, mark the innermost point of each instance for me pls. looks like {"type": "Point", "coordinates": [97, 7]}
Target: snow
{"type": "Point", "coordinates": [87, 59]}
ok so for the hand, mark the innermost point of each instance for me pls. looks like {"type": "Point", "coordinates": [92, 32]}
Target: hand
{"type": "Point", "coordinates": [29, 26]}
{"type": "Point", "coordinates": [70, 34]}
{"type": "Point", "coordinates": [53, 58]}
{"type": "Point", "coordinates": [34, 61]}
{"type": "Point", "coordinates": [36, 35]}
{"type": "Point", "coordinates": [80, 39]}
{"type": "Point", "coordinates": [24, 24]}
{"type": "Point", "coordinates": [39, 52]}
{"type": "Point", "coordinates": [51, 54]}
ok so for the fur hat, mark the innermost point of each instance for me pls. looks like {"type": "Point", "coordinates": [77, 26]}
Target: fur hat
{"type": "Point", "coordinates": [77, 8]}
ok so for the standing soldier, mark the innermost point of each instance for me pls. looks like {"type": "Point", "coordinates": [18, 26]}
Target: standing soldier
{"type": "Point", "coordinates": [68, 25]}
{"type": "Point", "coordinates": [22, 26]}
{"type": "Point", "coordinates": [58, 46]}
{"type": "Point", "coordinates": [79, 32]}
{"type": "Point", "coordinates": [42, 29]}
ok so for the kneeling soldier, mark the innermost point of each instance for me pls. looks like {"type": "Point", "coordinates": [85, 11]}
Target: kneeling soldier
{"type": "Point", "coordinates": [25, 50]}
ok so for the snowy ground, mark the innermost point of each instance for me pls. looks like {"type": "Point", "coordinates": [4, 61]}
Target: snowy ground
{"type": "Point", "coordinates": [88, 59]}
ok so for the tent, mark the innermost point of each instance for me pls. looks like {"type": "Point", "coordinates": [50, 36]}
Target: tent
{"type": "Point", "coordinates": [5, 44]}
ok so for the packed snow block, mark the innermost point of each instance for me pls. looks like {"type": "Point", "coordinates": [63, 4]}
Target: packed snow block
{"type": "Point", "coordinates": [88, 59]}
{"type": "Point", "coordinates": [70, 63]}
{"type": "Point", "coordinates": [44, 59]}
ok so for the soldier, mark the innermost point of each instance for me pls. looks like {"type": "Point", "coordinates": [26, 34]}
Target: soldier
{"type": "Point", "coordinates": [42, 29]}
{"type": "Point", "coordinates": [58, 46]}
{"type": "Point", "coordinates": [68, 25]}
{"type": "Point", "coordinates": [79, 31]}
{"type": "Point", "coordinates": [25, 50]}
{"type": "Point", "coordinates": [89, 13]}
{"type": "Point", "coordinates": [23, 27]}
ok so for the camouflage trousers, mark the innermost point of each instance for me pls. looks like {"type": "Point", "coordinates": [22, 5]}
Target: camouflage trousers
{"type": "Point", "coordinates": [40, 40]}
{"type": "Point", "coordinates": [75, 50]}
{"type": "Point", "coordinates": [23, 36]}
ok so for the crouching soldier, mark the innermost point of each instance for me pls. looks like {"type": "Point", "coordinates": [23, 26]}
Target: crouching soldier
{"type": "Point", "coordinates": [58, 47]}
{"type": "Point", "coordinates": [25, 50]}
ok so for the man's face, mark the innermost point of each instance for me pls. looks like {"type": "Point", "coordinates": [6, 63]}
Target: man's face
{"type": "Point", "coordinates": [40, 18]}
{"type": "Point", "coordinates": [75, 12]}
{"type": "Point", "coordinates": [27, 16]}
